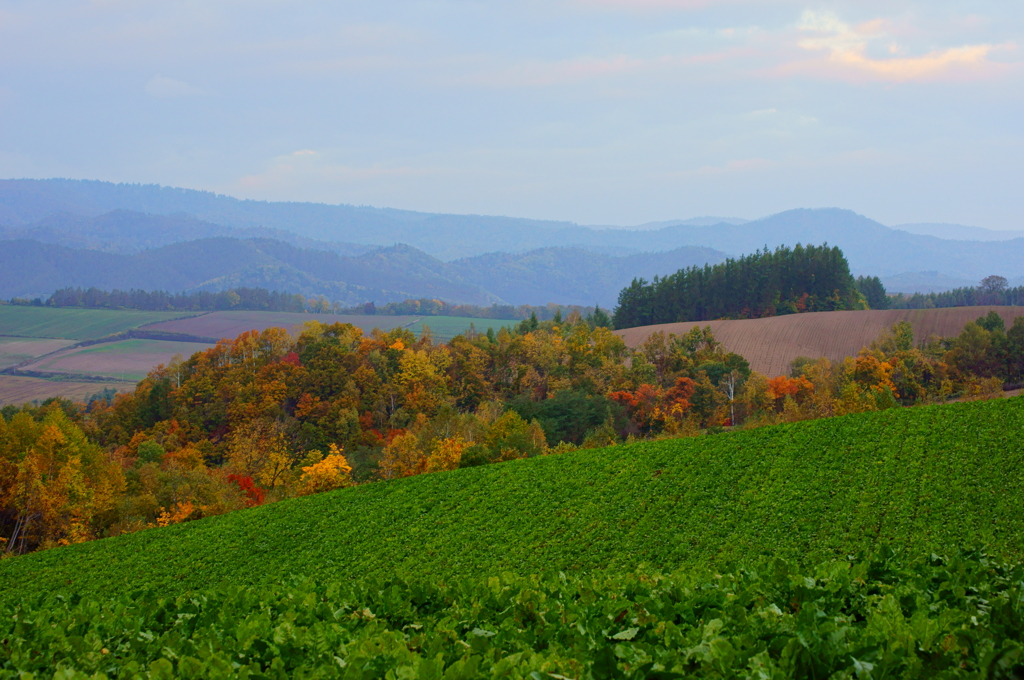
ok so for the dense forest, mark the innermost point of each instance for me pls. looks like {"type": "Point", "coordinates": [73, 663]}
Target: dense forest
{"type": "Point", "coordinates": [766, 283]}
{"type": "Point", "coordinates": [268, 416]}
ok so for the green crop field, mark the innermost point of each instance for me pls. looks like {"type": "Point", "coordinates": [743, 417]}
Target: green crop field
{"type": "Point", "coordinates": [718, 556]}
{"type": "Point", "coordinates": [875, 618]}
{"type": "Point", "coordinates": [74, 324]}
{"type": "Point", "coordinates": [445, 328]}
{"type": "Point", "coordinates": [924, 478]}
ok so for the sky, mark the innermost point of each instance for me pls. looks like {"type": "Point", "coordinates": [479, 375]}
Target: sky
{"type": "Point", "coordinates": [605, 112]}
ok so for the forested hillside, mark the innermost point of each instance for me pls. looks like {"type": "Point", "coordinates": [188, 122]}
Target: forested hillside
{"type": "Point", "coordinates": [381, 275]}
{"type": "Point", "coordinates": [573, 275]}
{"type": "Point", "coordinates": [267, 416]}
{"type": "Point", "coordinates": [787, 281]}
{"type": "Point", "coordinates": [917, 480]}
{"type": "Point", "coordinates": [31, 269]}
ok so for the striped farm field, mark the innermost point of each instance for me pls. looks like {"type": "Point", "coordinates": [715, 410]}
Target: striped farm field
{"type": "Point", "coordinates": [233, 324]}
{"type": "Point", "coordinates": [771, 344]}
{"type": "Point", "coordinates": [125, 359]}
{"type": "Point", "coordinates": [74, 324]}
{"type": "Point", "coordinates": [17, 390]}
{"type": "Point", "coordinates": [14, 351]}
{"type": "Point", "coordinates": [444, 328]}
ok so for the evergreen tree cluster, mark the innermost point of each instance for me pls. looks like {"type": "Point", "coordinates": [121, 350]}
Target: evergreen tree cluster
{"type": "Point", "coordinates": [787, 281]}
{"type": "Point", "coordinates": [258, 299]}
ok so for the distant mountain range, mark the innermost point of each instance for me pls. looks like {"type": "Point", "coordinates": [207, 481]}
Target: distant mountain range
{"type": "Point", "coordinates": [959, 232]}
{"type": "Point", "coordinates": [31, 269]}
{"type": "Point", "coordinates": [464, 258]}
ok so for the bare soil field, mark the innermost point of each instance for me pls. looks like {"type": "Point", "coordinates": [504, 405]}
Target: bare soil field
{"type": "Point", "coordinates": [127, 359]}
{"type": "Point", "coordinates": [233, 324]}
{"type": "Point", "coordinates": [770, 344]}
{"type": "Point", "coordinates": [18, 390]}
{"type": "Point", "coordinates": [13, 351]}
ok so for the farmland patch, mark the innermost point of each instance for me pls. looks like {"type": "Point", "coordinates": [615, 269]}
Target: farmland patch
{"type": "Point", "coordinates": [444, 328]}
{"type": "Point", "coordinates": [771, 344]}
{"type": "Point", "coordinates": [14, 351]}
{"type": "Point", "coordinates": [126, 359]}
{"type": "Point", "coordinates": [233, 324]}
{"type": "Point", "coordinates": [18, 390]}
{"type": "Point", "coordinates": [73, 324]}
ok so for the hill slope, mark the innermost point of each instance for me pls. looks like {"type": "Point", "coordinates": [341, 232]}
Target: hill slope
{"type": "Point", "coordinates": [926, 478]}
{"type": "Point", "coordinates": [770, 344]}
{"type": "Point", "coordinates": [29, 269]}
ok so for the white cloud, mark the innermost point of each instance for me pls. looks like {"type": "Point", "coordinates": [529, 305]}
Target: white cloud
{"type": "Point", "coordinates": [847, 47]}
{"type": "Point", "coordinates": [169, 88]}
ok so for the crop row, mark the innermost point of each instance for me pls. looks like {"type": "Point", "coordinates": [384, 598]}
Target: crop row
{"type": "Point", "coordinates": [874, 617]}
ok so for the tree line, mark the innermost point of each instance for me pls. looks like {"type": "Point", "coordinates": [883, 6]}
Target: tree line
{"type": "Point", "coordinates": [261, 299]}
{"type": "Point", "coordinates": [993, 290]}
{"type": "Point", "coordinates": [765, 283]}
{"type": "Point", "coordinates": [268, 416]}
{"type": "Point", "coordinates": [434, 307]}
{"type": "Point", "coordinates": [258, 299]}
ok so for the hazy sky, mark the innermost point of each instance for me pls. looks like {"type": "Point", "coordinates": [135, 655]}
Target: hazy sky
{"type": "Point", "coordinates": [596, 111]}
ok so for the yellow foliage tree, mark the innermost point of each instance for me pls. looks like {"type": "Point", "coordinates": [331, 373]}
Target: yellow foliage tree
{"type": "Point", "coordinates": [446, 454]}
{"type": "Point", "coordinates": [258, 449]}
{"type": "Point", "coordinates": [403, 457]}
{"type": "Point", "coordinates": [333, 472]}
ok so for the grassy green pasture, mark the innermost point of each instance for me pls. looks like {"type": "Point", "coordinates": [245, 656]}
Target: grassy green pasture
{"type": "Point", "coordinates": [445, 328]}
{"type": "Point", "coordinates": [921, 479]}
{"type": "Point", "coordinates": [73, 324]}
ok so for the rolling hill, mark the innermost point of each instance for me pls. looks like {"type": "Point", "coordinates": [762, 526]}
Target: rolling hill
{"type": "Point", "coordinates": [771, 344]}
{"type": "Point", "coordinates": [573, 276]}
{"type": "Point", "coordinates": [918, 479]}
{"type": "Point", "coordinates": [829, 548]}
{"type": "Point", "coordinates": [31, 269]}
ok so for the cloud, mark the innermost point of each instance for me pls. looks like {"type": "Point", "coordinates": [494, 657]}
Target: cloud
{"type": "Point", "coordinates": [847, 51]}
{"type": "Point", "coordinates": [168, 88]}
{"type": "Point", "coordinates": [648, 5]}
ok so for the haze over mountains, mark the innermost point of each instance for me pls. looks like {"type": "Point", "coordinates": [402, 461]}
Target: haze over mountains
{"type": "Point", "coordinates": [87, 233]}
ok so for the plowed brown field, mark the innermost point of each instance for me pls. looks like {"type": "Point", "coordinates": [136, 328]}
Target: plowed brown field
{"type": "Point", "coordinates": [18, 390]}
{"type": "Point", "coordinates": [771, 344]}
